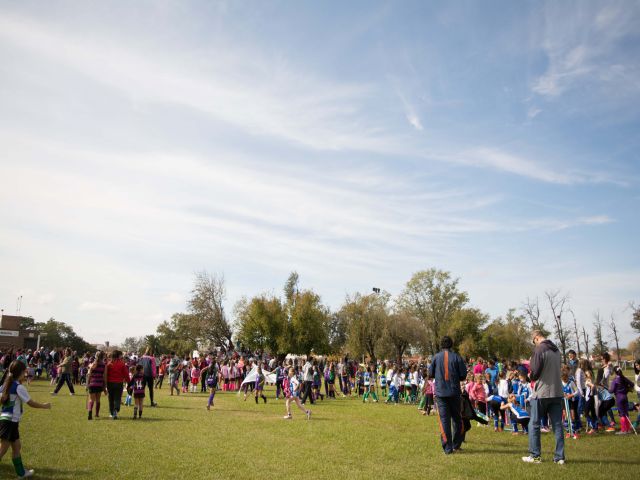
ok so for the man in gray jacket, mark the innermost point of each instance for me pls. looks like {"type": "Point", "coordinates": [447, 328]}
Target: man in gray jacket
{"type": "Point", "coordinates": [546, 398]}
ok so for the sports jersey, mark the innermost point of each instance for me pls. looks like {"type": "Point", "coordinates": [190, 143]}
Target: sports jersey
{"type": "Point", "coordinates": [519, 412]}
{"type": "Point", "coordinates": [12, 409]}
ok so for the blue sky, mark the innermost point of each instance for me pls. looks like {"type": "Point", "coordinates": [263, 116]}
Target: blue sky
{"type": "Point", "coordinates": [354, 143]}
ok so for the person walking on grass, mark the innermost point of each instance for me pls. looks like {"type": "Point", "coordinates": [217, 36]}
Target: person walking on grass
{"type": "Point", "coordinates": [97, 383]}
{"type": "Point", "coordinates": [137, 386]}
{"type": "Point", "coordinates": [117, 375]}
{"type": "Point", "coordinates": [547, 397]}
{"type": "Point", "coordinates": [64, 371]}
{"type": "Point", "coordinates": [149, 370]}
{"type": "Point", "coordinates": [12, 399]}
{"type": "Point", "coordinates": [291, 386]}
{"type": "Point", "coordinates": [448, 369]}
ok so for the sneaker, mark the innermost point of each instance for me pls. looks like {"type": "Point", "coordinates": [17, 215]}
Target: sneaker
{"type": "Point", "coordinates": [53, 394]}
{"type": "Point", "coordinates": [90, 416]}
{"type": "Point", "coordinates": [308, 414]}
{"type": "Point", "coordinates": [545, 430]}
{"type": "Point", "coordinates": [27, 474]}
{"type": "Point", "coordinates": [622, 433]}
{"type": "Point", "coordinates": [72, 394]}
{"type": "Point", "coordinates": [287, 417]}
{"type": "Point", "coordinates": [610, 429]}
{"type": "Point", "coordinates": [532, 459]}
{"type": "Point", "coordinates": [559, 462]}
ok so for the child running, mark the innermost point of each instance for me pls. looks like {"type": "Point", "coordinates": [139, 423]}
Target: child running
{"type": "Point", "coordinates": [211, 376]}
{"type": "Point", "coordinates": [260, 385]}
{"type": "Point", "coordinates": [14, 396]}
{"type": "Point", "coordinates": [291, 387]}
{"type": "Point", "coordinates": [369, 386]}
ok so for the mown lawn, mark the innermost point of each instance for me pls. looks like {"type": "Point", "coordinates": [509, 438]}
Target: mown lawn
{"type": "Point", "coordinates": [344, 440]}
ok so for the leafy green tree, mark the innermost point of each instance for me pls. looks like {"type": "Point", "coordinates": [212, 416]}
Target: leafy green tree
{"type": "Point", "coordinates": [307, 328]}
{"type": "Point", "coordinates": [635, 319]}
{"type": "Point", "coordinates": [178, 334]}
{"type": "Point", "coordinates": [507, 337]}
{"type": "Point", "coordinates": [366, 317]}
{"type": "Point", "coordinates": [465, 329]}
{"type": "Point", "coordinates": [60, 335]}
{"type": "Point", "coordinates": [154, 343]}
{"type": "Point", "coordinates": [432, 296]}
{"type": "Point", "coordinates": [261, 324]}
{"type": "Point", "coordinates": [338, 334]}
{"type": "Point", "coordinates": [401, 331]}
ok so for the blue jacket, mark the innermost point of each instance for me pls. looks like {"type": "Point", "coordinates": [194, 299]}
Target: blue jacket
{"type": "Point", "coordinates": [448, 374]}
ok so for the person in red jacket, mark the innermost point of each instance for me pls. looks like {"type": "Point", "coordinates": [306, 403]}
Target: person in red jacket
{"type": "Point", "coordinates": [117, 375]}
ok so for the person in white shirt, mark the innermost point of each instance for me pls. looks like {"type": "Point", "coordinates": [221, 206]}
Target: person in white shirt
{"type": "Point", "coordinates": [291, 388]}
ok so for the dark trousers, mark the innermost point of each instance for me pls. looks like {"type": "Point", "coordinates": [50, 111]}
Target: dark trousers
{"type": "Point", "coordinates": [308, 385]}
{"type": "Point", "coordinates": [449, 413]}
{"type": "Point", "coordinates": [65, 377]}
{"type": "Point", "coordinates": [149, 383]}
{"type": "Point", "coordinates": [115, 396]}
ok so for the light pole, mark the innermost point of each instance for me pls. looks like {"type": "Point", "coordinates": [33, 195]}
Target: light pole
{"type": "Point", "coordinates": [41, 334]}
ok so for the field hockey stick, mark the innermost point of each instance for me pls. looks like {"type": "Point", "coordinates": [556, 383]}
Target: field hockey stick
{"type": "Point", "coordinates": [569, 422]}
{"type": "Point", "coordinates": [631, 423]}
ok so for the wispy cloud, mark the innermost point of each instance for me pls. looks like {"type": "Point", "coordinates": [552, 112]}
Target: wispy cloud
{"type": "Point", "coordinates": [97, 307]}
{"type": "Point", "coordinates": [580, 40]}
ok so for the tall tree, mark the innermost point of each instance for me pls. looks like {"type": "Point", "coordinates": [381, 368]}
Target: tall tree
{"type": "Point", "coordinates": [465, 329]}
{"type": "Point", "coordinates": [558, 304]}
{"type": "Point", "coordinates": [178, 334]}
{"type": "Point", "coordinates": [400, 331]}
{"type": "Point", "coordinates": [600, 345]}
{"type": "Point", "coordinates": [291, 287]}
{"type": "Point", "coordinates": [576, 332]}
{"type": "Point", "coordinates": [531, 310]}
{"type": "Point", "coordinates": [585, 338]}
{"type": "Point", "coordinates": [366, 317]}
{"type": "Point", "coordinates": [432, 296]}
{"type": "Point", "coordinates": [59, 335]}
{"type": "Point", "coordinates": [635, 319]}
{"type": "Point", "coordinates": [614, 335]}
{"type": "Point", "coordinates": [261, 323]}
{"type": "Point", "coordinates": [206, 310]}
{"type": "Point", "coordinates": [507, 337]}
{"type": "Point", "coordinates": [307, 329]}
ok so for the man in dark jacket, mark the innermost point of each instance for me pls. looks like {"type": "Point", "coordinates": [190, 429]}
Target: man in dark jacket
{"type": "Point", "coordinates": [546, 398]}
{"type": "Point", "coordinates": [448, 369]}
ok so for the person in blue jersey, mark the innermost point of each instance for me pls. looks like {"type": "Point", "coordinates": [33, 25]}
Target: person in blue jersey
{"type": "Point", "coordinates": [492, 380]}
{"type": "Point", "coordinates": [519, 416]}
{"type": "Point", "coordinates": [448, 369]}
{"type": "Point", "coordinates": [13, 396]}
{"type": "Point", "coordinates": [369, 385]}
{"type": "Point", "coordinates": [547, 397]}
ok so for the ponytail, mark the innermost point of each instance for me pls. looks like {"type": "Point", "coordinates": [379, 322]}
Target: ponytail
{"type": "Point", "coordinates": [16, 369]}
{"type": "Point", "coordinates": [5, 388]}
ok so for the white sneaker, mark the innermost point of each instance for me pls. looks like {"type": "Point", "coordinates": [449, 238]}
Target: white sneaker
{"type": "Point", "coordinates": [287, 417]}
{"type": "Point", "coordinates": [27, 474]}
{"type": "Point", "coordinates": [532, 459]}
{"type": "Point", "coordinates": [559, 462]}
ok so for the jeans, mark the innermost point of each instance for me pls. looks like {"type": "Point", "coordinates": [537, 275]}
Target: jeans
{"type": "Point", "coordinates": [448, 414]}
{"type": "Point", "coordinates": [115, 397]}
{"type": "Point", "coordinates": [307, 391]}
{"type": "Point", "coordinates": [65, 377]}
{"type": "Point", "coordinates": [541, 407]}
{"type": "Point", "coordinates": [149, 383]}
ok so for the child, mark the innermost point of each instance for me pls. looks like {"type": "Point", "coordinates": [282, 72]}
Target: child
{"type": "Point", "coordinates": [518, 414]}
{"type": "Point", "coordinates": [606, 403]}
{"type": "Point", "coordinates": [368, 386]}
{"type": "Point", "coordinates": [137, 386]}
{"type": "Point", "coordinates": [128, 401]}
{"type": "Point", "coordinates": [620, 387]}
{"type": "Point", "coordinates": [14, 396]}
{"type": "Point", "coordinates": [316, 382]}
{"type": "Point", "coordinates": [570, 393]}
{"type": "Point", "coordinates": [429, 392]}
{"type": "Point", "coordinates": [332, 380]}
{"type": "Point", "coordinates": [97, 384]}
{"type": "Point", "coordinates": [383, 380]}
{"type": "Point", "coordinates": [195, 378]}
{"type": "Point", "coordinates": [211, 376]}
{"type": "Point", "coordinates": [291, 388]}
{"type": "Point", "coordinates": [494, 403]}
{"type": "Point", "coordinates": [590, 404]}
{"type": "Point", "coordinates": [478, 394]}
{"type": "Point", "coordinates": [260, 385]}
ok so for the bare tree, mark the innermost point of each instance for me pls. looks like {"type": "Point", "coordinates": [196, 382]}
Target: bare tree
{"type": "Point", "coordinates": [575, 329]}
{"type": "Point", "coordinates": [614, 336]}
{"type": "Point", "coordinates": [585, 337]}
{"type": "Point", "coordinates": [599, 346]}
{"type": "Point", "coordinates": [558, 305]}
{"type": "Point", "coordinates": [531, 310]}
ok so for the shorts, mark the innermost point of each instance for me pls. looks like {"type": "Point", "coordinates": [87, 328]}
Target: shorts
{"type": "Point", "coordinates": [138, 395]}
{"type": "Point", "coordinates": [9, 431]}
{"type": "Point", "coordinates": [96, 389]}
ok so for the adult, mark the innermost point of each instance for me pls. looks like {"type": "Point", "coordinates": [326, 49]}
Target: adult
{"type": "Point", "coordinates": [546, 398]}
{"type": "Point", "coordinates": [307, 375]}
{"type": "Point", "coordinates": [448, 369]}
{"type": "Point", "coordinates": [148, 362]}
{"type": "Point", "coordinates": [117, 375]}
{"type": "Point", "coordinates": [174, 369]}
{"type": "Point", "coordinates": [64, 370]}
{"type": "Point", "coordinates": [603, 378]}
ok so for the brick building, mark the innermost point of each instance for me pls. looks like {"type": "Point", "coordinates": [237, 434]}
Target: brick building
{"type": "Point", "coordinates": [12, 336]}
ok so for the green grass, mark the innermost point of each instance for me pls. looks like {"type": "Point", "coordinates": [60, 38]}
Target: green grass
{"type": "Point", "coordinates": [344, 440]}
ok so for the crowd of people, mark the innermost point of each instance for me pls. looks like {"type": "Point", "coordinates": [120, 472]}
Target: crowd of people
{"type": "Point", "coordinates": [496, 391]}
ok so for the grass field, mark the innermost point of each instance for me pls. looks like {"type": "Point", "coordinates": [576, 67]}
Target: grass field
{"type": "Point", "coordinates": [344, 440]}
